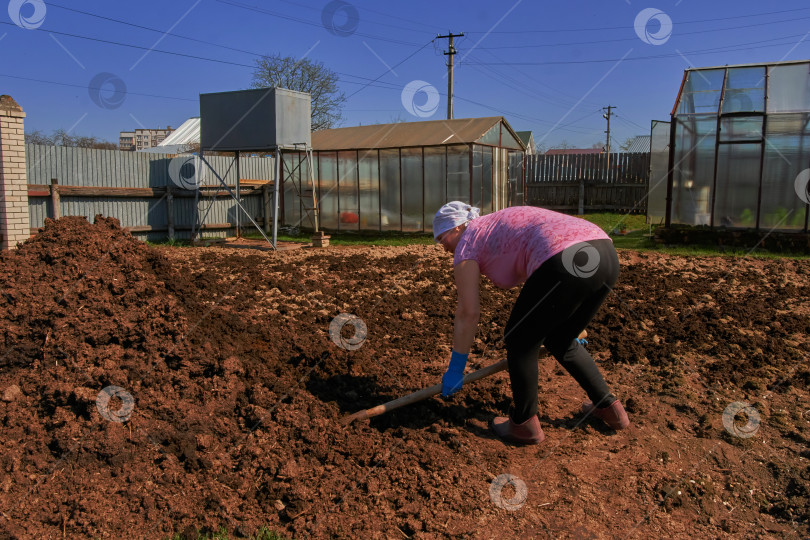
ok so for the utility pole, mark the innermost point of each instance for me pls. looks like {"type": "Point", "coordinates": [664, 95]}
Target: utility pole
{"type": "Point", "coordinates": [607, 116]}
{"type": "Point", "coordinates": [450, 52]}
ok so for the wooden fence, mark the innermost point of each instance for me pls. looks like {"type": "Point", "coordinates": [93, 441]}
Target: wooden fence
{"type": "Point", "coordinates": [588, 182]}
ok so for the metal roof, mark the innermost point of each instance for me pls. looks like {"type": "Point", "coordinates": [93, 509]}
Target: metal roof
{"type": "Point", "coordinates": [408, 134]}
{"type": "Point", "coordinates": [187, 133]}
{"type": "Point", "coordinates": [573, 151]}
{"type": "Point", "coordinates": [525, 136]}
{"type": "Point", "coordinates": [160, 149]}
{"type": "Point", "coordinates": [640, 143]}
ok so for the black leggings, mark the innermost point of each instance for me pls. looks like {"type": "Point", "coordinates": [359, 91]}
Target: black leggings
{"type": "Point", "coordinates": [556, 303]}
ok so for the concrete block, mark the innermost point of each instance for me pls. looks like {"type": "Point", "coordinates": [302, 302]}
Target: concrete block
{"type": "Point", "coordinates": [320, 240]}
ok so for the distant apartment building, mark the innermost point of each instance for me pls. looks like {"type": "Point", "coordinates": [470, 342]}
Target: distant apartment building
{"type": "Point", "coordinates": [141, 139]}
{"type": "Point", "coordinates": [126, 141]}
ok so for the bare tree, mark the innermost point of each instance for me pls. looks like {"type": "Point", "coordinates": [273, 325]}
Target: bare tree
{"type": "Point", "coordinates": [60, 137]}
{"type": "Point", "coordinates": [37, 137]}
{"type": "Point", "coordinates": [304, 75]}
{"type": "Point", "coordinates": [563, 145]}
{"type": "Point", "coordinates": [627, 143]}
{"type": "Point", "coordinates": [398, 119]}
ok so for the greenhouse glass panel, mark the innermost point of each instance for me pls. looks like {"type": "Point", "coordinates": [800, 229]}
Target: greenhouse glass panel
{"type": "Point", "coordinates": [328, 204]}
{"type": "Point", "coordinates": [514, 196]}
{"type": "Point", "coordinates": [458, 173]}
{"type": "Point", "coordinates": [493, 136]}
{"type": "Point", "coordinates": [745, 90]}
{"type": "Point", "coordinates": [302, 162]}
{"type": "Point", "coordinates": [659, 168]}
{"type": "Point", "coordinates": [693, 170]}
{"type": "Point", "coordinates": [292, 186]}
{"type": "Point", "coordinates": [741, 128]}
{"type": "Point", "coordinates": [349, 216]}
{"type": "Point", "coordinates": [412, 220]}
{"type": "Point", "coordinates": [500, 170]}
{"type": "Point", "coordinates": [486, 191]}
{"type": "Point", "coordinates": [315, 172]}
{"type": "Point", "coordinates": [701, 92]}
{"type": "Point", "coordinates": [369, 186]}
{"type": "Point", "coordinates": [737, 185]}
{"type": "Point", "coordinates": [507, 141]}
{"type": "Point", "coordinates": [477, 174]}
{"type": "Point", "coordinates": [435, 182]}
{"type": "Point", "coordinates": [389, 190]}
{"type": "Point", "coordinates": [789, 88]}
{"type": "Point", "coordinates": [787, 153]}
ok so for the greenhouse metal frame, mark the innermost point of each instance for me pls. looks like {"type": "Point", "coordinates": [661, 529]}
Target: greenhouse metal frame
{"type": "Point", "coordinates": [739, 143]}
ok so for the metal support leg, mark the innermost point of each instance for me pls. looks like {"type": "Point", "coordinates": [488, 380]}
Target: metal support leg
{"type": "Point", "coordinates": [238, 204]}
{"type": "Point", "coordinates": [276, 187]}
{"type": "Point", "coordinates": [238, 199]}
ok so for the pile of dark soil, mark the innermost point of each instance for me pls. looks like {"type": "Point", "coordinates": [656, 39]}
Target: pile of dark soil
{"type": "Point", "coordinates": [237, 392]}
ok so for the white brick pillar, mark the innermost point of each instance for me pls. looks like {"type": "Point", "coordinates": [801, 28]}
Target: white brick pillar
{"type": "Point", "coordinates": [14, 222]}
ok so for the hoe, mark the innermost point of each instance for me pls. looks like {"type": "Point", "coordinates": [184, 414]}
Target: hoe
{"type": "Point", "coordinates": [425, 393]}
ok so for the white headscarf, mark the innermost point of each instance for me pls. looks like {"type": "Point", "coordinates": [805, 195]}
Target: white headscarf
{"type": "Point", "coordinates": [452, 215]}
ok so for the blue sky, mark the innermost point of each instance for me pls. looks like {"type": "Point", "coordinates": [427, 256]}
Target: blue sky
{"type": "Point", "coordinates": [100, 67]}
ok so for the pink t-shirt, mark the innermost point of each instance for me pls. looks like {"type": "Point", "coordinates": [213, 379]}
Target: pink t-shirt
{"type": "Point", "coordinates": [510, 244]}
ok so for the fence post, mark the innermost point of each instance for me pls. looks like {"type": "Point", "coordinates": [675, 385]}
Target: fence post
{"type": "Point", "coordinates": [581, 196]}
{"type": "Point", "coordinates": [15, 224]}
{"type": "Point", "coordinates": [56, 200]}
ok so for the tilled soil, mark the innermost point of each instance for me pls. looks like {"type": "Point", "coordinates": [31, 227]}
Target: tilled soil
{"type": "Point", "coordinates": [151, 391]}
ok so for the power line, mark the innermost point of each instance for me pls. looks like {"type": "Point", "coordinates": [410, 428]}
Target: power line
{"type": "Point", "coordinates": [518, 88]}
{"type": "Point", "coordinates": [195, 57]}
{"type": "Point", "coordinates": [132, 46]}
{"type": "Point", "coordinates": [580, 119]}
{"type": "Point", "coordinates": [635, 38]}
{"type": "Point", "coordinates": [517, 115]}
{"type": "Point", "coordinates": [627, 59]}
{"type": "Point", "coordinates": [384, 86]}
{"type": "Point", "coordinates": [420, 24]}
{"type": "Point", "coordinates": [391, 69]}
{"type": "Point", "coordinates": [126, 92]}
{"type": "Point", "coordinates": [522, 87]}
{"type": "Point", "coordinates": [625, 26]}
{"type": "Point", "coordinates": [515, 87]}
{"type": "Point", "coordinates": [142, 27]}
{"type": "Point", "coordinates": [310, 23]}
{"type": "Point", "coordinates": [628, 121]}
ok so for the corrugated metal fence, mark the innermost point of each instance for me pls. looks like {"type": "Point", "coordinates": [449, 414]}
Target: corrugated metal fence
{"type": "Point", "coordinates": [152, 194]}
{"type": "Point", "coordinates": [588, 182]}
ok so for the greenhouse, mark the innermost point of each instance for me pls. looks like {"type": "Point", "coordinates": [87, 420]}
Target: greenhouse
{"type": "Point", "coordinates": [739, 143]}
{"type": "Point", "coordinates": [393, 177]}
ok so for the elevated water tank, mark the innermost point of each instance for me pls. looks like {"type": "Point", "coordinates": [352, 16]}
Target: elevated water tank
{"type": "Point", "coordinates": [255, 120]}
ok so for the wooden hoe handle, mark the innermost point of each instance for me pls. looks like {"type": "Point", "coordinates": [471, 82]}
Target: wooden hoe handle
{"type": "Point", "coordinates": [425, 393]}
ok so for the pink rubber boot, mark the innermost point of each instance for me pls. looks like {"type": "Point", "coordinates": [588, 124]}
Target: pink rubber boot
{"type": "Point", "coordinates": [529, 432]}
{"type": "Point", "coordinates": [613, 415]}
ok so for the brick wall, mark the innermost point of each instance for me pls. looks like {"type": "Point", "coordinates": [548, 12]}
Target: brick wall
{"type": "Point", "coordinates": [14, 222]}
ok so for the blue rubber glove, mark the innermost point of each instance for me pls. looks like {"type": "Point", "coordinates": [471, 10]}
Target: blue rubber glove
{"type": "Point", "coordinates": [582, 341]}
{"type": "Point", "coordinates": [453, 377]}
